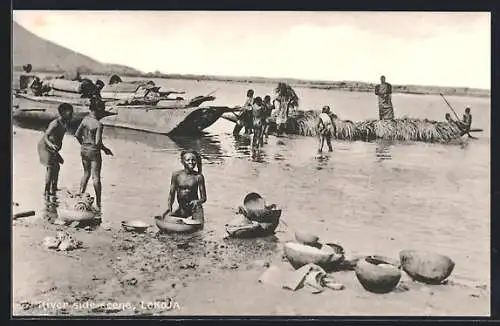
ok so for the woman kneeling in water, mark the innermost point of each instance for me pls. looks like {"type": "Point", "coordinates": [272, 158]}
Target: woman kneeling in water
{"type": "Point", "coordinates": [186, 184]}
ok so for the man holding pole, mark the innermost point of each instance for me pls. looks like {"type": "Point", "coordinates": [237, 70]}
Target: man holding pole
{"type": "Point", "coordinates": [384, 93]}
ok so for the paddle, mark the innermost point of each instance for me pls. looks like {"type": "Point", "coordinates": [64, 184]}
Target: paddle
{"type": "Point", "coordinates": [212, 92]}
{"type": "Point", "coordinates": [449, 105]}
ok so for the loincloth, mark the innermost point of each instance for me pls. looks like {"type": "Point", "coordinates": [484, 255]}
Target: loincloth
{"type": "Point", "coordinates": [90, 152]}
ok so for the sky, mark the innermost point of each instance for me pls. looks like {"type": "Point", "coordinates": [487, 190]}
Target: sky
{"type": "Point", "coordinates": [431, 48]}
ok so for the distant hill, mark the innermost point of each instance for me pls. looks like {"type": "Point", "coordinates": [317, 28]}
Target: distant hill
{"type": "Point", "coordinates": [48, 56]}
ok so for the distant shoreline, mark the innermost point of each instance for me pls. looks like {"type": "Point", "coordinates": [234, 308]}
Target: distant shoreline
{"type": "Point", "coordinates": [350, 86]}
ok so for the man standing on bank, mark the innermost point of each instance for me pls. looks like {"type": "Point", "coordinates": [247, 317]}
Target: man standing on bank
{"type": "Point", "coordinates": [384, 93]}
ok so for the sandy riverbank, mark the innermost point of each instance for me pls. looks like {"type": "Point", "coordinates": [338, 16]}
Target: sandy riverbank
{"type": "Point", "coordinates": [210, 277]}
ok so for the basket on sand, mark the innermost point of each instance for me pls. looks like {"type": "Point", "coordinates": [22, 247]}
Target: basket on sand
{"type": "Point", "coordinates": [377, 275]}
{"type": "Point", "coordinates": [427, 267]}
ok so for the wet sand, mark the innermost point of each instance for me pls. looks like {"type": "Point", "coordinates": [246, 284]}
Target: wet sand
{"type": "Point", "coordinates": [131, 274]}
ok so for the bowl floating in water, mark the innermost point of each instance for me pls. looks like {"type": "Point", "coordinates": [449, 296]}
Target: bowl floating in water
{"type": "Point", "coordinates": [307, 239]}
{"type": "Point", "coordinates": [377, 275]}
{"type": "Point", "coordinates": [135, 226]}
{"type": "Point", "coordinates": [299, 255]}
{"type": "Point", "coordinates": [427, 267]}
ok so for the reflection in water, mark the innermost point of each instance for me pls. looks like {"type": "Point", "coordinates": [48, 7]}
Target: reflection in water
{"type": "Point", "coordinates": [383, 150]}
{"type": "Point", "coordinates": [258, 155]}
{"type": "Point", "coordinates": [242, 144]}
{"type": "Point", "coordinates": [207, 145]}
{"type": "Point", "coordinates": [321, 161]}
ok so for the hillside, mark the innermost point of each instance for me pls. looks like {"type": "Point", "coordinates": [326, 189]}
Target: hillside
{"type": "Point", "coordinates": [48, 56]}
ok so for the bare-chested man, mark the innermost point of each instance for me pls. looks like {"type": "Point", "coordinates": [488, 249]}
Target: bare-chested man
{"type": "Point", "coordinates": [89, 135]}
{"type": "Point", "coordinates": [186, 184]}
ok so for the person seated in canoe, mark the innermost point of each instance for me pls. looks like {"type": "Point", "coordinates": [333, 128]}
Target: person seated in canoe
{"type": "Point", "coordinates": [455, 123]}
{"type": "Point", "coordinates": [50, 145]}
{"type": "Point", "coordinates": [186, 184]}
{"type": "Point", "coordinates": [89, 135]}
{"type": "Point", "coordinates": [325, 129]}
{"type": "Point", "coordinates": [99, 85]}
{"type": "Point", "coordinates": [467, 119]}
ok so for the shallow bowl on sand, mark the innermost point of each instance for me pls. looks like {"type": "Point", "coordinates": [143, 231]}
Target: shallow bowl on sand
{"type": "Point", "coordinates": [377, 275]}
{"type": "Point", "coordinates": [427, 267]}
{"type": "Point", "coordinates": [72, 215]}
{"type": "Point", "coordinates": [135, 226]}
{"type": "Point", "coordinates": [177, 224]}
{"type": "Point", "coordinates": [299, 255]}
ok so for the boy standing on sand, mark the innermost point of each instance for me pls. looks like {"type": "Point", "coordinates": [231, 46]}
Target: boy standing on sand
{"type": "Point", "coordinates": [89, 135]}
{"type": "Point", "coordinates": [50, 145]}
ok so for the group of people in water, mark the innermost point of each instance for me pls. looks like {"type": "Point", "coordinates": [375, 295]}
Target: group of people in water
{"type": "Point", "coordinates": [256, 117]}
{"type": "Point", "coordinates": [188, 184]}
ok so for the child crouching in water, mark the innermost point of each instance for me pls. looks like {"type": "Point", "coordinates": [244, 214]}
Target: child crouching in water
{"type": "Point", "coordinates": [50, 145]}
{"type": "Point", "coordinates": [186, 184]}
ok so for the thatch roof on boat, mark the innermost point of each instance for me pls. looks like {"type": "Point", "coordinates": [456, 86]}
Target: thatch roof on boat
{"type": "Point", "coordinates": [405, 129]}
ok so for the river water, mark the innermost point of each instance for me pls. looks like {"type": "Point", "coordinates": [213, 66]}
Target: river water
{"type": "Point", "coordinates": [373, 198]}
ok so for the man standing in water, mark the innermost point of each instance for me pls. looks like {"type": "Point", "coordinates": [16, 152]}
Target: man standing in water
{"type": "Point", "coordinates": [325, 129]}
{"type": "Point", "coordinates": [384, 93]}
{"type": "Point", "coordinates": [245, 118]}
{"type": "Point", "coordinates": [89, 135]}
{"type": "Point", "coordinates": [258, 116]}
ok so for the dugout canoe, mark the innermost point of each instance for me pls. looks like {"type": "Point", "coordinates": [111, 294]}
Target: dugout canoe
{"type": "Point", "coordinates": [169, 117]}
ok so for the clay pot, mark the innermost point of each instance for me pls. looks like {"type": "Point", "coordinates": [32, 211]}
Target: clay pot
{"type": "Point", "coordinates": [427, 267]}
{"type": "Point", "coordinates": [337, 259]}
{"type": "Point", "coordinates": [299, 255]}
{"type": "Point", "coordinates": [306, 238]}
{"type": "Point", "coordinates": [377, 275]}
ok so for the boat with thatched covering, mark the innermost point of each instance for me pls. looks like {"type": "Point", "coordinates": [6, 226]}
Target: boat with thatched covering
{"type": "Point", "coordinates": [161, 116]}
{"type": "Point", "coordinates": [404, 129]}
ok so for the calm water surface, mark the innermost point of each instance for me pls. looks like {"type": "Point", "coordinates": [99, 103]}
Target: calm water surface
{"type": "Point", "coordinates": [373, 198]}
